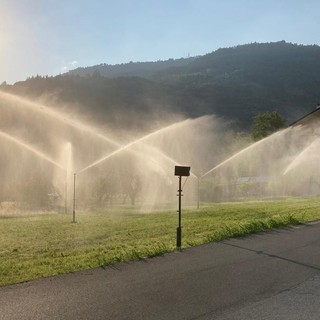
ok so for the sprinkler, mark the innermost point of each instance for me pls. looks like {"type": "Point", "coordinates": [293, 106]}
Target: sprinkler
{"type": "Point", "coordinates": [66, 194]}
{"type": "Point", "coordinates": [67, 159]}
{"type": "Point", "coordinates": [74, 199]}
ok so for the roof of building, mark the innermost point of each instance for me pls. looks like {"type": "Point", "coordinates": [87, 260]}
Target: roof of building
{"type": "Point", "coordinates": [310, 117]}
{"type": "Point", "coordinates": [257, 179]}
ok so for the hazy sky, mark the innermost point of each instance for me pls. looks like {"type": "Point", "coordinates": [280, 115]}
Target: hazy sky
{"type": "Point", "coordinates": [48, 37]}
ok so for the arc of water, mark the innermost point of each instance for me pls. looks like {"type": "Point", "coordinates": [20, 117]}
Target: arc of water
{"type": "Point", "coordinates": [132, 144]}
{"type": "Point", "coordinates": [165, 156]}
{"type": "Point", "coordinates": [297, 160]}
{"type": "Point", "coordinates": [63, 118]}
{"type": "Point", "coordinates": [162, 154]}
{"type": "Point", "coordinates": [31, 149]}
{"type": "Point", "coordinates": [59, 116]}
{"type": "Point", "coordinates": [73, 123]}
{"type": "Point", "coordinates": [245, 150]}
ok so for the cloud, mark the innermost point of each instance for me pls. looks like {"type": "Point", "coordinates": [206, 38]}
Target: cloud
{"type": "Point", "coordinates": [69, 65]}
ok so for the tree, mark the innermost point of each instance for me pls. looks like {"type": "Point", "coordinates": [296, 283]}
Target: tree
{"type": "Point", "coordinates": [133, 186]}
{"type": "Point", "coordinates": [266, 123]}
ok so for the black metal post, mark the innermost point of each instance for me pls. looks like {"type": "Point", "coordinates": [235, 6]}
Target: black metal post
{"type": "Point", "coordinates": [198, 200]}
{"type": "Point", "coordinates": [74, 198]}
{"type": "Point", "coordinates": [180, 171]}
{"type": "Point", "coordinates": [179, 231]}
{"type": "Point", "coordinates": [66, 194]}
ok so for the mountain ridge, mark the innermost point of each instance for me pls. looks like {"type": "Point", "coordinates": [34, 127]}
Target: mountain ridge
{"type": "Point", "coordinates": [234, 83]}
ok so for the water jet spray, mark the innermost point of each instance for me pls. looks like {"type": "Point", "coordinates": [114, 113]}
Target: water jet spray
{"type": "Point", "coordinates": [127, 146]}
{"type": "Point", "coordinates": [313, 147]}
{"type": "Point", "coordinates": [30, 148]}
{"type": "Point", "coordinates": [57, 116]}
{"type": "Point", "coordinates": [281, 132]}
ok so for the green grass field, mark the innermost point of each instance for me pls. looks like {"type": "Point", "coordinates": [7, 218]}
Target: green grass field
{"type": "Point", "coordinates": [41, 245]}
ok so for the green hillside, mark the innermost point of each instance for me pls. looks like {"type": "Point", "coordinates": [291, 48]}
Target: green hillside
{"type": "Point", "coordinates": [235, 83]}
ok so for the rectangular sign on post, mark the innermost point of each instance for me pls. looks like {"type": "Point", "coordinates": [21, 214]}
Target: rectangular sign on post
{"type": "Point", "coordinates": [182, 171]}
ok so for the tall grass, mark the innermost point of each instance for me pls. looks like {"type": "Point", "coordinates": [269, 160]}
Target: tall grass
{"type": "Point", "coordinates": [42, 245]}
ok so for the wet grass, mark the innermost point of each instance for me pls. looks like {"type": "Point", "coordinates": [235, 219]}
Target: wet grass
{"type": "Point", "coordinates": [41, 245]}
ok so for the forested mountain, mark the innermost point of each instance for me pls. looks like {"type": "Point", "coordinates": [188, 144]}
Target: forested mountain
{"type": "Point", "coordinates": [138, 69]}
{"type": "Point", "coordinates": [235, 83]}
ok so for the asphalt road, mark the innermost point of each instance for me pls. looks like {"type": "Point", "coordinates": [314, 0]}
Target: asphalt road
{"type": "Point", "coordinates": [271, 275]}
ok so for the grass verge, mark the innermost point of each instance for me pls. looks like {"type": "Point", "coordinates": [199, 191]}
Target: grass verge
{"type": "Point", "coordinates": [42, 245]}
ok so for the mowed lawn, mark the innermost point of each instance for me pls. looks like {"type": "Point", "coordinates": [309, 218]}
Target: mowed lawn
{"type": "Point", "coordinates": [41, 245]}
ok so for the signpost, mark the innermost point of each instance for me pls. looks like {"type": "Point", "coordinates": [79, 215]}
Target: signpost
{"type": "Point", "coordinates": [180, 171]}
